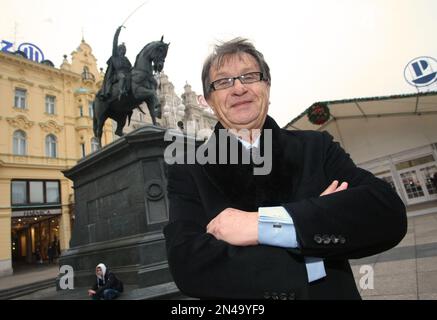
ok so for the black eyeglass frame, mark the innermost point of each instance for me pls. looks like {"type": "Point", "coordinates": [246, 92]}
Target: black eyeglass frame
{"type": "Point", "coordinates": [231, 80]}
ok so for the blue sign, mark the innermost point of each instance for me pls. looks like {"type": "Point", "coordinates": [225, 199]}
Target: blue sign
{"type": "Point", "coordinates": [421, 71]}
{"type": "Point", "coordinates": [31, 51]}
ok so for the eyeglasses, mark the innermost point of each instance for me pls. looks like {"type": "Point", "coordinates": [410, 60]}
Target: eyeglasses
{"type": "Point", "coordinates": [225, 83]}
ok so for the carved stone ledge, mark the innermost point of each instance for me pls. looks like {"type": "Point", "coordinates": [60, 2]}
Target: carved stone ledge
{"type": "Point", "coordinates": [20, 122]}
{"type": "Point", "coordinates": [49, 87]}
{"type": "Point", "coordinates": [21, 80]}
{"type": "Point", "coordinates": [51, 126]}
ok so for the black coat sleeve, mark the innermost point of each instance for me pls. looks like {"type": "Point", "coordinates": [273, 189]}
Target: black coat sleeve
{"type": "Point", "coordinates": [111, 283]}
{"type": "Point", "coordinates": [369, 215]}
{"type": "Point", "coordinates": [205, 267]}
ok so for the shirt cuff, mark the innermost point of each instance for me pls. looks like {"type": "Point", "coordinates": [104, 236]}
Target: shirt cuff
{"type": "Point", "coordinates": [276, 228]}
{"type": "Point", "coordinates": [315, 268]}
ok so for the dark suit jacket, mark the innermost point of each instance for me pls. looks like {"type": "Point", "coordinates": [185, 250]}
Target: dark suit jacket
{"type": "Point", "coordinates": [366, 219]}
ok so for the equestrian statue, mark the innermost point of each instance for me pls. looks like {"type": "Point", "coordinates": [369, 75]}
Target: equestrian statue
{"type": "Point", "coordinates": [126, 88]}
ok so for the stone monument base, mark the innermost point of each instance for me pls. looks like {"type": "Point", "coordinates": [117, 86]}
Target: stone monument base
{"type": "Point", "coordinates": [120, 209]}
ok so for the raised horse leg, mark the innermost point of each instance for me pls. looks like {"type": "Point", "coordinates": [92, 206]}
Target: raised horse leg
{"type": "Point", "coordinates": [150, 97]}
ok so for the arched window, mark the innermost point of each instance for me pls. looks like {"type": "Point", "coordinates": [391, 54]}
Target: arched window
{"type": "Point", "coordinates": [86, 74]}
{"type": "Point", "coordinates": [94, 144]}
{"type": "Point", "coordinates": [19, 143]}
{"type": "Point", "coordinates": [51, 146]}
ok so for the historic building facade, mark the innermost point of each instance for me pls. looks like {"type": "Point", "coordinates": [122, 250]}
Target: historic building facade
{"type": "Point", "coordinates": [45, 128]}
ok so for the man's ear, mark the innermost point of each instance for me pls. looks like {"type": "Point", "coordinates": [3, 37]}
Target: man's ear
{"type": "Point", "coordinates": [208, 101]}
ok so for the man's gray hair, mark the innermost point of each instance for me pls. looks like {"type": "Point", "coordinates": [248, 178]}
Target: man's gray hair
{"type": "Point", "coordinates": [225, 49]}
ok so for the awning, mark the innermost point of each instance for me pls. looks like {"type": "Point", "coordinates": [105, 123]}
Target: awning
{"type": "Point", "coordinates": [395, 105]}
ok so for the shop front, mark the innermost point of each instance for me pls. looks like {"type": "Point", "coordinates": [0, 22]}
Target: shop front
{"type": "Point", "coordinates": [35, 222]}
{"type": "Point", "coordinates": [35, 236]}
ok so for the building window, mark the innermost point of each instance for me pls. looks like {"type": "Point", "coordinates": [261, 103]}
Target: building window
{"type": "Point", "coordinates": [412, 184]}
{"type": "Point", "coordinates": [82, 147]}
{"type": "Point", "coordinates": [20, 98]}
{"type": "Point", "coordinates": [94, 144]}
{"type": "Point", "coordinates": [81, 111]}
{"type": "Point", "coordinates": [19, 192]}
{"type": "Point", "coordinates": [430, 177]}
{"type": "Point", "coordinates": [19, 143]}
{"type": "Point", "coordinates": [50, 104]}
{"type": "Point", "coordinates": [30, 192]}
{"type": "Point", "coordinates": [87, 75]}
{"type": "Point", "coordinates": [36, 191]}
{"type": "Point", "coordinates": [51, 146]}
{"type": "Point", "coordinates": [90, 109]}
{"type": "Point", "coordinates": [52, 192]}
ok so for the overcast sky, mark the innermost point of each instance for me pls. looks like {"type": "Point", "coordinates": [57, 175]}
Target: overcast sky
{"type": "Point", "coordinates": [317, 50]}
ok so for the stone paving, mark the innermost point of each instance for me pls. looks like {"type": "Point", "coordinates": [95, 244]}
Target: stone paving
{"type": "Point", "coordinates": [408, 271]}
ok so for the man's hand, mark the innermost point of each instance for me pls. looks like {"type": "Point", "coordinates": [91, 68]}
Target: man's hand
{"type": "Point", "coordinates": [236, 227]}
{"type": "Point", "coordinates": [91, 292]}
{"type": "Point", "coordinates": [334, 187]}
{"type": "Point", "coordinates": [240, 228]}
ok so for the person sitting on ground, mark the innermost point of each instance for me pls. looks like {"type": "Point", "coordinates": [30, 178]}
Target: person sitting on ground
{"type": "Point", "coordinates": [107, 285]}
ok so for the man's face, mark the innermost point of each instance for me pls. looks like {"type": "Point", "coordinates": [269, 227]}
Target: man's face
{"type": "Point", "coordinates": [242, 106]}
{"type": "Point", "coordinates": [99, 272]}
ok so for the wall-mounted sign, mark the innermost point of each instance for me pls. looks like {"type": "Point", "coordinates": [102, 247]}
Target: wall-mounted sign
{"type": "Point", "coordinates": [35, 213]}
{"type": "Point", "coordinates": [421, 71]}
{"type": "Point", "coordinates": [31, 51]}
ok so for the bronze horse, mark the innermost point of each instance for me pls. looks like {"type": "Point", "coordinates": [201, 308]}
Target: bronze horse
{"type": "Point", "coordinates": [143, 89]}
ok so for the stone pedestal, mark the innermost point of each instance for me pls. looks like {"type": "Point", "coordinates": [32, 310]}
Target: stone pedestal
{"type": "Point", "coordinates": [120, 209]}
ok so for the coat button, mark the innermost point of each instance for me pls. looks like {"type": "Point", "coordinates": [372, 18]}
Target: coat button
{"type": "Point", "coordinates": [326, 239]}
{"type": "Point", "coordinates": [318, 239]}
{"type": "Point", "coordinates": [342, 239]}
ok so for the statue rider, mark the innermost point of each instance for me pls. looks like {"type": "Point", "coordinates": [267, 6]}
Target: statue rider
{"type": "Point", "coordinates": [118, 69]}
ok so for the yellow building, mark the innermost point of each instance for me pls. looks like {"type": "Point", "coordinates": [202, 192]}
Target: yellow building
{"type": "Point", "coordinates": [45, 127]}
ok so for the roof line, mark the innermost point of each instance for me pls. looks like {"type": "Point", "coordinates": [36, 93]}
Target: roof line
{"type": "Point", "coordinates": [356, 100]}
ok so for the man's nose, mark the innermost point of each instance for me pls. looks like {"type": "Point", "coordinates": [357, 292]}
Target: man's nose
{"type": "Point", "coordinates": [239, 88]}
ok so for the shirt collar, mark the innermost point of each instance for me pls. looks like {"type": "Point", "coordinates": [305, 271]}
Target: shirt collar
{"type": "Point", "coordinates": [249, 145]}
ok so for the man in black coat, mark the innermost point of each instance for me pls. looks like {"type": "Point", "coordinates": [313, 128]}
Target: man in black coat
{"type": "Point", "coordinates": [107, 285]}
{"type": "Point", "coordinates": [287, 230]}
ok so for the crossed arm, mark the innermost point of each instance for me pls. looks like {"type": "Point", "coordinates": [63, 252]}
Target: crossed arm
{"type": "Point", "coordinates": [240, 228]}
